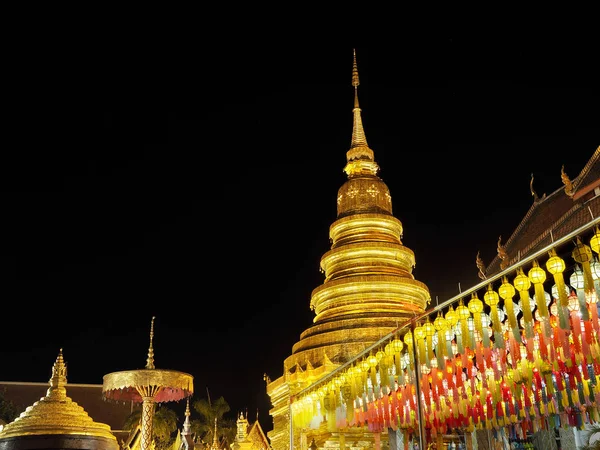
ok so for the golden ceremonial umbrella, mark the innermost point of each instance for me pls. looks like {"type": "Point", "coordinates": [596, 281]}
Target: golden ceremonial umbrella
{"type": "Point", "coordinates": [147, 386]}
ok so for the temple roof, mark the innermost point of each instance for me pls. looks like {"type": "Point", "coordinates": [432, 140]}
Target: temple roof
{"type": "Point", "coordinates": [566, 209]}
{"type": "Point", "coordinates": [250, 436]}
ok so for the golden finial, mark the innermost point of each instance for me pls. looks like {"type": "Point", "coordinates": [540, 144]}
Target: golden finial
{"type": "Point", "coordinates": [358, 134]}
{"type": "Point", "coordinates": [215, 445]}
{"type": "Point", "coordinates": [533, 193]}
{"type": "Point", "coordinates": [536, 199]}
{"type": "Point", "coordinates": [502, 254]}
{"type": "Point", "coordinates": [150, 360]}
{"type": "Point", "coordinates": [58, 380]}
{"type": "Point", "coordinates": [566, 181]}
{"type": "Point", "coordinates": [480, 266]}
{"type": "Point", "coordinates": [186, 423]}
{"type": "Point", "coordinates": [355, 80]}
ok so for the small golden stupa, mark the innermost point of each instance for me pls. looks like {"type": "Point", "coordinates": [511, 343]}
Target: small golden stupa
{"type": "Point", "coordinates": [56, 422]}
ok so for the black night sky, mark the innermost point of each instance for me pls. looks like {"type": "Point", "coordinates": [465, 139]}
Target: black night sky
{"type": "Point", "coordinates": [198, 186]}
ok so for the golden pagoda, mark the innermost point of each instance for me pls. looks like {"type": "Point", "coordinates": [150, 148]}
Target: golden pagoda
{"type": "Point", "coordinates": [56, 422]}
{"type": "Point", "coordinates": [369, 289]}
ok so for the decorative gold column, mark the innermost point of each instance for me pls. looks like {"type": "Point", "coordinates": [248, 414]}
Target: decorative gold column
{"type": "Point", "coordinates": [147, 418]}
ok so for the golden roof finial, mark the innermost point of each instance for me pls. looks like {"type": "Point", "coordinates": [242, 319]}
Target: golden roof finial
{"type": "Point", "coordinates": [502, 254]}
{"type": "Point", "coordinates": [566, 181]}
{"type": "Point", "coordinates": [480, 266]}
{"type": "Point", "coordinates": [536, 199]}
{"type": "Point", "coordinates": [150, 360]}
{"type": "Point", "coordinates": [533, 193]}
{"type": "Point", "coordinates": [355, 80]}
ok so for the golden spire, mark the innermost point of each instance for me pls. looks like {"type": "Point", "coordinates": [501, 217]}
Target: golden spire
{"type": "Point", "coordinates": [566, 181]}
{"type": "Point", "coordinates": [58, 380]}
{"type": "Point", "coordinates": [186, 424]}
{"type": "Point", "coordinates": [150, 360]}
{"type": "Point", "coordinates": [364, 191]}
{"type": "Point", "coordinates": [57, 414]}
{"type": "Point", "coordinates": [215, 444]}
{"type": "Point", "coordinates": [360, 158]}
{"type": "Point", "coordinates": [358, 133]}
{"type": "Point", "coordinates": [242, 426]}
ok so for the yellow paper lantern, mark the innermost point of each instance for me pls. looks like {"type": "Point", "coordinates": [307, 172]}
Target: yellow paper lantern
{"type": "Point", "coordinates": [441, 325]}
{"type": "Point", "coordinates": [582, 254]}
{"type": "Point", "coordinates": [595, 241]}
{"type": "Point", "coordinates": [507, 292]}
{"type": "Point", "coordinates": [556, 266]}
{"type": "Point", "coordinates": [522, 283]}
{"type": "Point", "coordinates": [419, 334]}
{"type": "Point", "coordinates": [463, 316]}
{"type": "Point", "coordinates": [476, 308]}
{"type": "Point", "coordinates": [578, 281]}
{"type": "Point", "coordinates": [537, 275]}
{"type": "Point", "coordinates": [451, 316]}
{"type": "Point", "coordinates": [491, 298]}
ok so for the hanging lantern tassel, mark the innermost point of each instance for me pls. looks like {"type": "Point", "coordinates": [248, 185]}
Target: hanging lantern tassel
{"type": "Point", "coordinates": [463, 315]}
{"type": "Point", "coordinates": [583, 255]}
{"type": "Point", "coordinates": [419, 334]}
{"type": "Point", "coordinates": [491, 298]}
{"type": "Point", "coordinates": [556, 266]}
{"type": "Point", "coordinates": [537, 275]}
{"type": "Point", "coordinates": [476, 308]}
{"type": "Point", "coordinates": [429, 331]}
{"type": "Point", "coordinates": [397, 346]}
{"type": "Point", "coordinates": [507, 292]}
{"type": "Point", "coordinates": [522, 284]}
{"type": "Point", "coordinates": [373, 371]}
{"type": "Point", "coordinates": [408, 340]}
{"type": "Point", "coordinates": [441, 327]}
{"type": "Point", "coordinates": [451, 321]}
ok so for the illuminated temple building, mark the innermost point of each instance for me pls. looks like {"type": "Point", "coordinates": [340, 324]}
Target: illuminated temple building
{"type": "Point", "coordinates": [513, 358]}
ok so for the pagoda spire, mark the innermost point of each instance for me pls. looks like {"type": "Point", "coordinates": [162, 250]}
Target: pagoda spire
{"type": "Point", "coordinates": [360, 158]}
{"type": "Point", "coordinates": [215, 444]}
{"type": "Point", "coordinates": [150, 360]}
{"type": "Point", "coordinates": [358, 133]}
{"type": "Point", "coordinates": [187, 426]}
{"type": "Point", "coordinates": [242, 427]}
{"type": "Point", "coordinates": [58, 381]}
